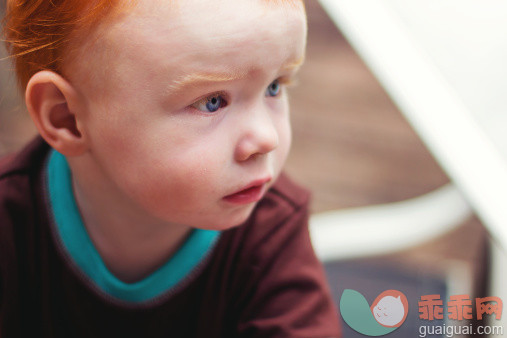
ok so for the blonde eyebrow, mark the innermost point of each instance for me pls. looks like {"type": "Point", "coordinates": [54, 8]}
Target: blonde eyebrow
{"type": "Point", "coordinates": [192, 79]}
{"type": "Point", "coordinates": [294, 64]}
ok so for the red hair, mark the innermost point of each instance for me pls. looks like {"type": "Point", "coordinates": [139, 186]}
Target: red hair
{"type": "Point", "coordinates": [38, 32]}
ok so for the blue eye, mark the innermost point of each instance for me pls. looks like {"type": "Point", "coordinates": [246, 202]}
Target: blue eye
{"type": "Point", "coordinates": [214, 103]}
{"type": "Point", "coordinates": [273, 89]}
{"type": "Point", "coordinates": [210, 104]}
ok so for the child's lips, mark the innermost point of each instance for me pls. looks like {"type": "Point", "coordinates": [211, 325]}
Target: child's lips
{"type": "Point", "coordinates": [252, 192]}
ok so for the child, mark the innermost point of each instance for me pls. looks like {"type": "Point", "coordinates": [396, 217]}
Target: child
{"type": "Point", "coordinates": [153, 204]}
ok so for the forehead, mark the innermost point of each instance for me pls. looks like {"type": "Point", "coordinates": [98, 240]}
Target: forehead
{"type": "Point", "coordinates": [196, 35]}
{"type": "Point", "coordinates": [217, 16]}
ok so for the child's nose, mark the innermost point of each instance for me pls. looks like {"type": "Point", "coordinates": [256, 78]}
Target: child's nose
{"type": "Point", "coordinates": [260, 135]}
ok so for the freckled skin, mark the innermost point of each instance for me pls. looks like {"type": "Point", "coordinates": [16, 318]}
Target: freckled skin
{"type": "Point", "coordinates": [152, 156]}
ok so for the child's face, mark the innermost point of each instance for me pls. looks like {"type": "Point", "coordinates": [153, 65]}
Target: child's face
{"type": "Point", "coordinates": [183, 108]}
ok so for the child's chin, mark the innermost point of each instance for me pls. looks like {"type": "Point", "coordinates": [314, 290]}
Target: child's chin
{"type": "Point", "coordinates": [232, 222]}
{"type": "Point", "coordinates": [229, 225]}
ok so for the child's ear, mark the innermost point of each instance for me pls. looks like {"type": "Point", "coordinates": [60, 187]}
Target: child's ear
{"type": "Point", "coordinates": [53, 104]}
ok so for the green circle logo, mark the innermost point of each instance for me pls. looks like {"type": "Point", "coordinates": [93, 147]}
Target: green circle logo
{"type": "Point", "coordinates": [387, 312]}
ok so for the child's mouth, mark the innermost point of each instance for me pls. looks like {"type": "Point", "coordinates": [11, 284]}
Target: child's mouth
{"type": "Point", "coordinates": [253, 193]}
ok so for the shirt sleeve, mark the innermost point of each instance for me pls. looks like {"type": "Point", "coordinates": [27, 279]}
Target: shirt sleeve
{"type": "Point", "coordinates": [288, 294]}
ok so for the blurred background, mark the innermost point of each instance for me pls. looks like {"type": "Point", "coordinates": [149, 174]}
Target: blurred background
{"type": "Point", "coordinates": [352, 148]}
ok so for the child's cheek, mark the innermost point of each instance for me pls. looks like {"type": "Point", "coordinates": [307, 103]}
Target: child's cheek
{"type": "Point", "coordinates": [179, 184]}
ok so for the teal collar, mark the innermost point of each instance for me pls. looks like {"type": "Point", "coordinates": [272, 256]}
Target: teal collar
{"type": "Point", "coordinates": [76, 241]}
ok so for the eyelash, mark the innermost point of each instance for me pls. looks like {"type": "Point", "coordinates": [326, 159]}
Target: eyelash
{"type": "Point", "coordinates": [204, 102]}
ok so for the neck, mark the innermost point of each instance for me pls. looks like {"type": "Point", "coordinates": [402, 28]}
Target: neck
{"type": "Point", "coordinates": [131, 243]}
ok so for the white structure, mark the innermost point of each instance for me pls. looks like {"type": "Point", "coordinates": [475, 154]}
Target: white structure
{"type": "Point", "coordinates": [444, 63]}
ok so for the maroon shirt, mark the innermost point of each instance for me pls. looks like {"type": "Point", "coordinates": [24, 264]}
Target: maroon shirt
{"type": "Point", "coordinates": [262, 278]}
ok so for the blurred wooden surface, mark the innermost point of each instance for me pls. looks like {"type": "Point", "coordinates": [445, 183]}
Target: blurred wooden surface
{"type": "Point", "coordinates": [351, 145]}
